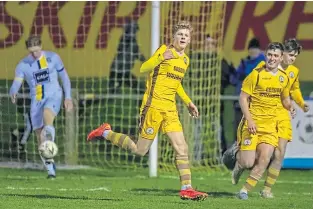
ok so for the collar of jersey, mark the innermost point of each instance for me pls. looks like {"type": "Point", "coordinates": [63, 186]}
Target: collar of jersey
{"type": "Point", "coordinates": [176, 53]}
{"type": "Point", "coordinates": [32, 58]}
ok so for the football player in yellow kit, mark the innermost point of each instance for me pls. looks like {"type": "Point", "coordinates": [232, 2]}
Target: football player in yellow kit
{"type": "Point", "coordinates": [262, 93]}
{"type": "Point", "coordinates": [291, 50]}
{"type": "Point", "coordinates": [284, 127]}
{"type": "Point", "coordinates": [166, 69]}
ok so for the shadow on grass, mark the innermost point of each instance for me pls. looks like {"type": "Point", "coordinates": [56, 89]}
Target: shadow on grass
{"type": "Point", "coordinates": [44, 196]}
{"type": "Point", "coordinates": [153, 191]}
{"type": "Point", "coordinates": [221, 194]}
{"type": "Point", "coordinates": [173, 192]}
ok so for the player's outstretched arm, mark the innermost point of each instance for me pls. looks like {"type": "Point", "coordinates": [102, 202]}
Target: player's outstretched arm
{"type": "Point", "coordinates": [17, 82]}
{"type": "Point", "coordinates": [154, 61]}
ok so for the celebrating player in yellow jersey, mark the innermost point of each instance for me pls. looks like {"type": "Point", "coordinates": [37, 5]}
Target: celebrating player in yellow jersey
{"type": "Point", "coordinates": [166, 68]}
{"type": "Point", "coordinates": [284, 127]}
{"type": "Point", "coordinates": [262, 94]}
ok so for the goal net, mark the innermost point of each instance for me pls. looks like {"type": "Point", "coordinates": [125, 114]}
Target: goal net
{"type": "Point", "coordinates": [102, 45]}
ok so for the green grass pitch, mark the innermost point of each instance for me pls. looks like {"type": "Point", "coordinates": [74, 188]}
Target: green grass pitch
{"type": "Point", "coordinates": [79, 189]}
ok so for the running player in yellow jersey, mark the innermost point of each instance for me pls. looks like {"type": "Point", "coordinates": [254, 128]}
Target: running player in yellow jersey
{"type": "Point", "coordinates": [262, 93]}
{"type": "Point", "coordinates": [166, 69]}
{"type": "Point", "coordinates": [284, 127]}
{"type": "Point", "coordinates": [291, 51]}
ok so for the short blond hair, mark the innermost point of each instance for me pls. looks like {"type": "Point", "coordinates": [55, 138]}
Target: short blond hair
{"type": "Point", "coordinates": [182, 25]}
{"type": "Point", "coordinates": [33, 41]}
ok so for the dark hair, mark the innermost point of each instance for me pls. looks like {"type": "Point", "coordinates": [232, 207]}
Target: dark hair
{"type": "Point", "coordinates": [33, 41]}
{"type": "Point", "coordinates": [293, 45]}
{"type": "Point", "coordinates": [254, 43]}
{"type": "Point", "coordinates": [275, 46]}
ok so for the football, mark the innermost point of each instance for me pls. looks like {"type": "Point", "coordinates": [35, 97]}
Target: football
{"type": "Point", "coordinates": [305, 129]}
{"type": "Point", "coordinates": [48, 149]}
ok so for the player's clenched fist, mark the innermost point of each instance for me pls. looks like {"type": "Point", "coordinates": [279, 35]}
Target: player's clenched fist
{"type": "Point", "coordinates": [168, 54]}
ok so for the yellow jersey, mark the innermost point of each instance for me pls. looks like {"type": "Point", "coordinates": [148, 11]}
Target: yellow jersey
{"type": "Point", "coordinates": [164, 80]}
{"type": "Point", "coordinates": [265, 89]}
{"type": "Point", "coordinates": [295, 92]}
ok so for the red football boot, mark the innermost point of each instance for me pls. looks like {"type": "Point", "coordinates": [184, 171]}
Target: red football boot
{"type": "Point", "coordinates": [191, 194]}
{"type": "Point", "coordinates": [98, 132]}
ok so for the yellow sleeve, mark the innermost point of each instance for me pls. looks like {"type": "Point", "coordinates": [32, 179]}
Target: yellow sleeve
{"type": "Point", "coordinates": [261, 64]}
{"type": "Point", "coordinates": [182, 94]}
{"type": "Point", "coordinates": [250, 82]}
{"type": "Point", "coordinates": [296, 94]}
{"type": "Point", "coordinates": [286, 91]}
{"type": "Point", "coordinates": [154, 61]}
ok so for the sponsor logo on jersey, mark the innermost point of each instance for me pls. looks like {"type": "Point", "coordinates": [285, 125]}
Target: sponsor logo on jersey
{"type": "Point", "coordinates": [42, 76]}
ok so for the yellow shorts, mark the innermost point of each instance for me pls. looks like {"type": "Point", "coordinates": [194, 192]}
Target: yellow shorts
{"type": "Point", "coordinates": [266, 133]}
{"type": "Point", "coordinates": [152, 119]}
{"type": "Point", "coordinates": [284, 129]}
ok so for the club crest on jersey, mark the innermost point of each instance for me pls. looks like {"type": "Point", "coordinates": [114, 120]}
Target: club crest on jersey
{"type": "Point", "coordinates": [185, 60]}
{"type": "Point", "coordinates": [149, 131]}
{"type": "Point", "coordinates": [42, 76]}
{"type": "Point", "coordinates": [247, 142]}
{"type": "Point", "coordinates": [291, 74]}
{"type": "Point", "coordinates": [281, 78]}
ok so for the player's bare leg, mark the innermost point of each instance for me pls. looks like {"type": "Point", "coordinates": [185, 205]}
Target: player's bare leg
{"type": "Point", "coordinates": [182, 163]}
{"type": "Point", "coordinates": [245, 160]}
{"type": "Point", "coordinates": [274, 168]}
{"type": "Point", "coordinates": [264, 152]}
{"type": "Point", "coordinates": [121, 140]}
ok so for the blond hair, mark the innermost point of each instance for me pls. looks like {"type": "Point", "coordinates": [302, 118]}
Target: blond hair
{"type": "Point", "coordinates": [182, 25]}
{"type": "Point", "coordinates": [33, 41]}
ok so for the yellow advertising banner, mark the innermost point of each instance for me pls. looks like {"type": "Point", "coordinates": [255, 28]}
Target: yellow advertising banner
{"type": "Point", "coordinates": [270, 21]}
{"type": "Point", "coordinates": [87, 34]}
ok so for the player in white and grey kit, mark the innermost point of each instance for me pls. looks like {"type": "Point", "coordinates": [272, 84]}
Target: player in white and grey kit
{"type": "Point", "coordinates": [41, 70]}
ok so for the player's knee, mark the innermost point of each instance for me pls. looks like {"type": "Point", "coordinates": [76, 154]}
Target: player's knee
{"type": "Point", "coordinates": [246, 163]}
{"type": "Point", "coordinates": [48, 117]}
{"type": "Point", "coordinates": [278, 156]}
{"type": "Point", "coordinates": [263, 161]}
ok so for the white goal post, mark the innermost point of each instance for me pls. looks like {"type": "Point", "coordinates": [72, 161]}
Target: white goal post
{"type": "Point", "coordinates": [155, 44]}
